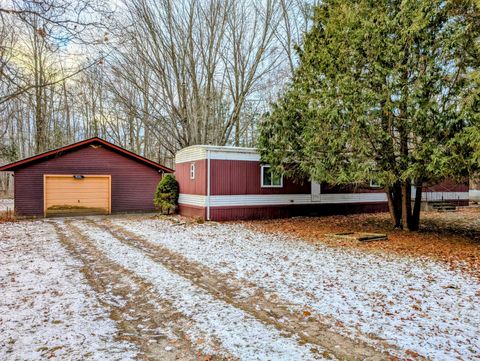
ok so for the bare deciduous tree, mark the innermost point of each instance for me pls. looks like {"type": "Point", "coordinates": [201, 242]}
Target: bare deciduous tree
{"type": "Point", "coordinates": [169, 74]}
{"type": "Point", "coordinates": [203, 59]}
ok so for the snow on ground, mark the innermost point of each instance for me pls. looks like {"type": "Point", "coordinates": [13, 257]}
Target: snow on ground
{"type": "Point", "coordinates": [416, 304]}
{"type": "Point", "coordinates": [239, 333]}
{"type": "Point", "coordinates": [6, 204]}
{"type": "Point", "coordinates": [47, 310]}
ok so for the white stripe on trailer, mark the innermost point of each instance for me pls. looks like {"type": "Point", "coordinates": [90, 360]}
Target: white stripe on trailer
{"type": "Point", "coordinates": [291, 199]}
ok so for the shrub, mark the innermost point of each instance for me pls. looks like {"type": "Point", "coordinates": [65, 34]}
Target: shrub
{"type": "Point", "coordinates": [166, 195]}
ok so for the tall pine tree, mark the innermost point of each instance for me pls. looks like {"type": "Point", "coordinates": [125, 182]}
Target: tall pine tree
{"type": "Point", "coordinates": [386, 91]}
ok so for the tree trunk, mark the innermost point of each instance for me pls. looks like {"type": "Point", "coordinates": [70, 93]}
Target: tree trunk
{"type": "Point", "coordinates": [399, 197]}
{"type": "Point", "coordinates": [406, 205]}
{"type": "Point", "coordinates": [394, 205]}
{"type": "Point", "coordinates": [41, 139]}
{"type": "Point", "coordinates": [415, 222]}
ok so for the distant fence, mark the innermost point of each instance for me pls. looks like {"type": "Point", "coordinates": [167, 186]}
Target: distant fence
{"type": "Point", "coordinates": [474, 195]}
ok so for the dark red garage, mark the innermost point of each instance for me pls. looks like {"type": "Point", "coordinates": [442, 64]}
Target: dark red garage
{"type": "Point", "coordinates": [89, 177]}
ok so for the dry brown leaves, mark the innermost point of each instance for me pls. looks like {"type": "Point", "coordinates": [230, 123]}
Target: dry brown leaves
{"type": "Point", "coordinates": [453, 238]}
{"type": "Point", "coordinates": [7, 216]}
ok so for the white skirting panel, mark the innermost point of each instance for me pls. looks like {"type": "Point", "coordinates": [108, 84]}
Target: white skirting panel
{"type": "Point", "coordinates": [192, 200]}
{"type": "Point", "coordinates": [285, 199]}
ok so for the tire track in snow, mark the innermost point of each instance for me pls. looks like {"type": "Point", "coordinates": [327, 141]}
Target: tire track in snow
{"type": "Point", "coordinates": [142, 318]}
{"type": "Point", "coordinates": [418, 305]}
{"type": "Point", "coordinates": [48, 310]}
{"type": "Point", "coordinates": [239, 333]}
{"type": "Point", "coordinates": [263, 306]}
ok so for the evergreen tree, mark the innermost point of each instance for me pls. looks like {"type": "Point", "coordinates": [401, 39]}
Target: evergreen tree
{"type": "Point", "coordinates": [386, 90]}
{"type": "Point", "coordinates": [166, 195]}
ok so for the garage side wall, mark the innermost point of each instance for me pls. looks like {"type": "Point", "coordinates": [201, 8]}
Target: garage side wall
{"type": "Point", "coordinates": [133, 183]}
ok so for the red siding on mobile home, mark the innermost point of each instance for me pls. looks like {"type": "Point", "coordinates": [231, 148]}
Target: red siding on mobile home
{"type": "Point", "coordinates": [227, 186]}
{"type": "Point", "coordinates": [133, 180]}
{"type": "Point", "coordinates": [231, 177]}
{"type": "Point", "coordinates": [192, 211]}
{"type": "Point", "coordinates": [198, 185]}
{"type": "Point", "coordinates": [350, 188]}
{"type": "Point", "coordinates": [255, 212]}
{"type": "Point", "coordinates": [447, 186]}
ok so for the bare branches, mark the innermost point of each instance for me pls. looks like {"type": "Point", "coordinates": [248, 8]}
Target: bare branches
{"type": "Point", "coordinates": [169, 73]}
{"type": "Point", "coordinates": [23, 89]}
{"type": "Point", "coordinates": [205, 60]}
{"type": "Point", "coordinates": [56, 25]}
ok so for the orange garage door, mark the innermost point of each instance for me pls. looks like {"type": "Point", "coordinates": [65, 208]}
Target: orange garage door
{"type": "Point", "coordinates": [77, 194]}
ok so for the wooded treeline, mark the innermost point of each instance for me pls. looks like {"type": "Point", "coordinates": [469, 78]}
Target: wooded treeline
{"type": "Point", "coordinates": [151, 76]}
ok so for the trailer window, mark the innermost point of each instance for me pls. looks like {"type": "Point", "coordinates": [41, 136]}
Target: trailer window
{"type": "Point", "coordinates": [269, 178]}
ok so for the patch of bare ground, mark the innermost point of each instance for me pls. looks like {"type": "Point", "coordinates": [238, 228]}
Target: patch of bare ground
{"type": "Point", "coordinates": [449, 237]}
{"type": "Point", "coordinates": [263, 305]}
{"type": "Point", "coordinates": [142, 317]}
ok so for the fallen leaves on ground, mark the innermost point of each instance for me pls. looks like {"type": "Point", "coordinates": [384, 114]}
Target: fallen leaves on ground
{"type": "Point", "coordinates": [451, 237]}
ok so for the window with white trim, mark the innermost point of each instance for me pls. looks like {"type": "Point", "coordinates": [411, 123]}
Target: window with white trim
{"type": "Point", "coordinates": [192, 170]}
{"type": "Point", "coordinates": [270, 179]}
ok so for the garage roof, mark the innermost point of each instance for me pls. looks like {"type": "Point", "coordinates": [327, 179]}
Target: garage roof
{"type": "Point", "coordinates": [95, 140]}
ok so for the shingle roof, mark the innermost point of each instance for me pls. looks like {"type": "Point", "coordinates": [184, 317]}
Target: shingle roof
{"type": "Point", "coordinates": [25, 162]}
